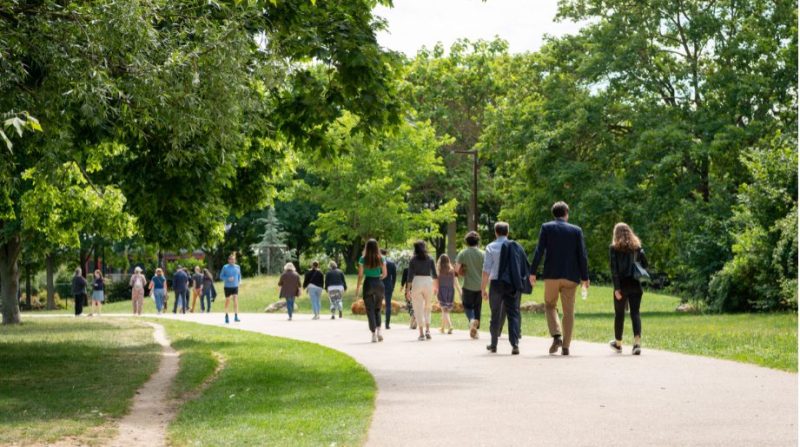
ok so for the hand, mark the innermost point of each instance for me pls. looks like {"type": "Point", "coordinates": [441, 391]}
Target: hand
{"type": "Point", "coordinates": [435, 291]}
{"type": "Point", "coordinates": [485, 295]}
{"type": "Point", "coordinates": [408, 295]}
{"type": "Point", "coordinates": [532, 279]}
{"type": "Point", "coordinates": [618, 294]}
{"type": "Point", "coordinates": [586, 284]}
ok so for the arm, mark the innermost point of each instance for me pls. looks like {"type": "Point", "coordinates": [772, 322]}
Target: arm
{"type": "Point", "coordinates": [344, 281]}
{"type": "Point", "coordinates": [484, 283]}
{"type": "Point", "coordinates": [583, 260]}
{"type": "Point", "coordinates": [643, 259]}
{"type": "Point", "coordinates": [306, 277]}
{"type": "Point", "coordinates": [410, 276]}
{"type": "Point", "coordinates": [384, 273]}
{"type": "Point", "coordinates": [360, 277]}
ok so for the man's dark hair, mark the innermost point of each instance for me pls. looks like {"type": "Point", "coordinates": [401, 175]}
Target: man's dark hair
{"type": "Point", "coordinates": [560, 209]}
{"type": "Point", "coordinates": [501, 228]}
{"type": "Point", "coordinates": [420, 250]}
{"type": "Point", "coordinates": [472, 238]}
{"type": "Point", "coordinates": [384, 251]}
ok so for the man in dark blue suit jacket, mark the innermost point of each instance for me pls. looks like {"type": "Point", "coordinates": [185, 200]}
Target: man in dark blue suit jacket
{"type": "Point", "coordinates": [565, 264]}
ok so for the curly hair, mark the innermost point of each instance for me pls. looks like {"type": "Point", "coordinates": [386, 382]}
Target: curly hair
{"type": "Point", "coordinates": [624, 239]}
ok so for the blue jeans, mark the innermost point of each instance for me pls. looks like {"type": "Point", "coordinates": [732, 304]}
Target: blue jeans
{"type": "Point", "coordinates": [182, 298]}
{"type": "Point", "coordinates": [290, 306]}
{"type": "Point", "coordinates": [314, 293]}
{"type": "Point", "coordinates": [206, 298]}
{"type": "Point", "coordinates": [158, 296]}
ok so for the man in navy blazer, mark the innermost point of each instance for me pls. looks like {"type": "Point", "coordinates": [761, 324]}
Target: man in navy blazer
{"type": "Point", "coordinates": [565, 265]}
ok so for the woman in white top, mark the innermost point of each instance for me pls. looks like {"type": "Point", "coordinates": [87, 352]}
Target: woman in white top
{"type": "Point", "coordinates": [137, 290]}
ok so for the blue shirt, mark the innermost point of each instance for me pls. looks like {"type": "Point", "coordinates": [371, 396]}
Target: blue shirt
{"type": "Point", "coordinates": [491, 260]}
{"type": "Point", "coordinates": [158, 282]}
{"type": "Point", "coordinates": [230, 275]}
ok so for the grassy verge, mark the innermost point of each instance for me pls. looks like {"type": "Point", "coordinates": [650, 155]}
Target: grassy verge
{"type": "Point", "coordinates": [763, 339]}
{"type": "Point", "coordinates": [271, 391]}
{"type": "Point", "coordinates": [65, 378]}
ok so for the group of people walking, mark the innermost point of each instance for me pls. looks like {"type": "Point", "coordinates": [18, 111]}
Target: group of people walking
{"type": "Point", "coordinates": [200, 285]}
{"type": "Point", "coordinates": [500, 275]}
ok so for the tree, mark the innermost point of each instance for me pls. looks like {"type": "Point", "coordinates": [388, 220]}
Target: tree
{"type": "Point", "coordinates": [272, 250]}
{"type": "Point", "coordinates": [186, 106]}
{"type": "Point", "coordinates": [365, 189]}
{"type": "Point", "coordinates": [644, 117]}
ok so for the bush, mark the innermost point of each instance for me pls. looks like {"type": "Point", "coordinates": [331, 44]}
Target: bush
{"type": "Point", "coordinates": [117, 291]}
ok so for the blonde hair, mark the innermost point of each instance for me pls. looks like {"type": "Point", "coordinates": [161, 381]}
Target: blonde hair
{"type": "Point", "coordinates": [444, 267]}
{"type": "Point", "coordinates": [624, 239]}
{"type": "Point", "coordinates": [159, 271]}
{"type": "Point", "coordinates": [98, 273]}
{"type": "Point", "coordinates": [289, 266]}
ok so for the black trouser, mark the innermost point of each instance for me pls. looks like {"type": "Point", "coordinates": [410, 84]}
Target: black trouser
{"type": "Point", "coordinates": [473, 301]}
{"type": "Point", "coordinates": [373, 298]}
{"type": "Point", "coordinates": [632, 294]}
{"type": "Point", "coordinates": [388, 292]}
{"type": "Point", "coordinates": [79, 299]}
{"type": "Point", "coordinates": [504, 300]}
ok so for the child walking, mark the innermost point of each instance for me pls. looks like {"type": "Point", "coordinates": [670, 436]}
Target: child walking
{"type": "Point", "coordinates": [447, 288]}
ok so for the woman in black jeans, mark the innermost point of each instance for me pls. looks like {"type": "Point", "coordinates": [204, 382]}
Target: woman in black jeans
{"type": "Point", "coordinates": [626, 248]}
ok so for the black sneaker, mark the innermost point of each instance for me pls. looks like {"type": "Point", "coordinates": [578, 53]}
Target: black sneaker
{"type": "Point", "coordinates": [515, 350]}
{"type": "Point", "coordinates": [340, 314]}
{"type": "Point", "coordinates": [491, 348]}
{"type": "Point", "coordinates": [428, 335]}
{"type": "Point", "coordinates": [564, 351]}
{"type": "Point", "coordinates": [616, 347]}
{"type": "Point", "coordinates": [556, 344]}
{"type": "Point", "coordinates": [333, 317]}
{"type": "Point", "coordinates": [637, 350]}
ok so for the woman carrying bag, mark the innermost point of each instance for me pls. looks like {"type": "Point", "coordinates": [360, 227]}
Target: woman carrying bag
{"type": "Point", "coordinates": [628, 270]}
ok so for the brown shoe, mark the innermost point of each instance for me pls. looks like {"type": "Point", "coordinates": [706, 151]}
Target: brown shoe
{"type": "Point", "coordinates": [556, 344]}
{"type": "Point", "coordinates": [564, 351]}
{"type": "Point", "coordinates": [473, 329]}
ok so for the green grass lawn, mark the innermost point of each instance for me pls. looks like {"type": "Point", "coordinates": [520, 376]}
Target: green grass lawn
{"type": "Point", "coordinates": [68, 378]}
{"type": "Point", "coordinates": [764, 339]}
{"type": "Point", "coordinates": [270, 391]}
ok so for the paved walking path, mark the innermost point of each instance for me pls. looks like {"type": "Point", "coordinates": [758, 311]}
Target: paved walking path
{"type": "Point", "coordinates": [450, 392]}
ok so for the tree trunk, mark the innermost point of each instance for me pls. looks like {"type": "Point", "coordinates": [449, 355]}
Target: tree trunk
{"type": "Point", "coordinates": [51, 289]}
{"type": "Point", "coordinates": [451, 240]}
{"type": "Point", "coordinates": [9, 279]}
{"type": "Point", "coordinates": [28, 291]}
{"type": "Point", "coordinates": [352, 261]}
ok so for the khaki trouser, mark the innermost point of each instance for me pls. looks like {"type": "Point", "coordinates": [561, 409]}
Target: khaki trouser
{"type": "Point", "coordinates": [421, 299]}
{"type": "Point", "coordinates": [137, 298]}
{"type": "Point", "coordinates": [566, 288]}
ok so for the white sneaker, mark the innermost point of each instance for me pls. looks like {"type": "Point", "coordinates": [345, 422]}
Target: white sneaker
{"type": "Point", "coordinates": [473, 329]}
{"type": "Point", "coordinates": [374, 337]}
{"type": "Point", "coordinates": [380, 337]}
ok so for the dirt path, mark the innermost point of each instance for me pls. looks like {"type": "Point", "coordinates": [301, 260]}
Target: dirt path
{"type": "Point", "coordinates": [152, 410]}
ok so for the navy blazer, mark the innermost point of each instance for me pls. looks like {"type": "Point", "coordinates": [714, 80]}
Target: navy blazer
{"type": "Point", "coordinates": [564, 252]}
{"type": "Point", "coordinates": [514, 267]}
{"type": "Point", "coordinates": [391, 276]}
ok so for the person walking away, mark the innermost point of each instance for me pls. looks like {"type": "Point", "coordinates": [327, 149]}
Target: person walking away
{"type": "Point", "coordinates": [137, 283]}
{"type": "Point", "coordinates": [98, 296]}
{"type": "Point", "coordinates": [500, 296]}
{"type": "Point", "coordinates": [448, 286]}
{"type": "Point", "coordinates": [469, 265]}
{"type": "Point", "coordinates": [372, 270]}
{"type": "Point", "coordinates": [180, 285]}
{"type": "Point", "coordinates": [209, 292]}
{"type": "Point", "coordinates": [197, 287]}
{"type": "Point", "coordinates": [424, 285]}
{"type": "Point", "coordinates": [289, 284]}
{"type": "Point", "coordinates": [79, 291]}
{"type": "Point", "coordinates": [406, 286]}
{"type": "Point", "coordinates": [158, 284]}
{"type": "Point", "coordinates": [625, 251]}
{"type": "Point", "coordinates": [314, 282]}
{"type": "Point", "coordinates": [231, 276]}
{"type": "Point", "coordinates": [388, 284]}
{"type": "Point", "coordinates": [336, 285]}
{"type": "Point", "coordinates": [566, 263]}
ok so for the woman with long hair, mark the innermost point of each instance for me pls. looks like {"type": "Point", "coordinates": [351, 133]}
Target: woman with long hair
{"type": "Point", "coordinates": [372, 270]}
{"type": "Point", "coordinates": [448, 285]}
{"type": "Point", "coordinates": [624, 252]}
{"type": "Point", "coordinates": [209, 292]}
{"type": "Point", "coordinates": [313, 282]}
{"type": "Point", "coordinates": [424, 285]}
